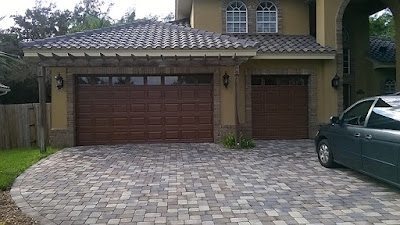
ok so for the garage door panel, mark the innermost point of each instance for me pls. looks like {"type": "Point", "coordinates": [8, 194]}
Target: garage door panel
{"type": "Point", "coordinates": [205, 107]}
{"type": "Point", "coordinates": [154, 94]}
{"type": "Point", "coordinates": [189, 135]}
{"type": "Point", "coordinates": [138, 135]}
{"type": "Point", "coordinates": [171, 95]}
{"type": "Point", "coordinates": [154, 107]}
{"type": "Point", "coordinates": [172, 120]}
{"type": "Point", "coordinates": [118, 122]}
{"type": "Point", "coordinates": [188, 120]}
{"type": "Point", "coordinates": [102, 109]}
{"type": "Point", "coordinates": [112, 114]}
{"type": "Point", "coordinates": [206, 94]}
{"type": "Point", "coordinates": [138, 95]}
{"type": "Point", "coordinates": [205, 135]}
{"type": "Point", "coordinates": [188, 107]}
{"type": "Point", "coordinates": [205, 120]}
{"type": "Point", "coordinates": [155, 120]}
{"type": "Point", "coordinates": [171, 107]}
{"type": "Point", "coordinates": [141, 107]}
{"type": "Point", "coordinates": [155, 135]}
{"type": "Point", "coordinates": [102, 95]}
{"type": "Point", "coordinates": [280, 111]}
{"type": "Point", "coordinates": [122, 108]}
{"type": "Point", "coordinates": [138, 121]}
{"type": "Point", "coordinates": [188, 94]}
{"type": "Point", "coordinates": [172, 135]}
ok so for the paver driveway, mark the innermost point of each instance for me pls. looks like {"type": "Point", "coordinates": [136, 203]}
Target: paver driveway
{"type": "Point", "coordinates": [280, 182]}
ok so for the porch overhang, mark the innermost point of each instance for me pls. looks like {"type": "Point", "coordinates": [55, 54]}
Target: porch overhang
{"type": "Point", "coordinates": [107, 57]}
{"type": "Point", "coordinates": [301, 56]}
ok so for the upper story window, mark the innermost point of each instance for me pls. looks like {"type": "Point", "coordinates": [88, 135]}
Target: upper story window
{"type": "Point", "coordinates": [267, 17]}
{"type": "Point", "coordinates": [390, 87]}
{"type": "Point", "coordinates": [236, 17]}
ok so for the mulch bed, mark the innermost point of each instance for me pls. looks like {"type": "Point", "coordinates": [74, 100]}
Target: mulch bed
{"type": "Point", "coordinates": [10, 213]}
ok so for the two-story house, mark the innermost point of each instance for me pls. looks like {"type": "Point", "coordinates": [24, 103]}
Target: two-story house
{"type": "Point", "coordinates": [271, 69]}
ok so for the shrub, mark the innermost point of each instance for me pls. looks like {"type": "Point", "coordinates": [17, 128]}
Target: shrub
{"type": "Point", "coordinates": [230, 142]}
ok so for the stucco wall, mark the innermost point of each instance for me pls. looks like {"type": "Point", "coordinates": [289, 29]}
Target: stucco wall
{"type": "Point", "coordinates": [58, 100]}
{"type": "Point", "coordinates": [207, 15]}
{"type": "Point", "coordinates": [326, 21]}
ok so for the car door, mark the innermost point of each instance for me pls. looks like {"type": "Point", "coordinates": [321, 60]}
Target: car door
{"type": "Point", "coordinates": [347, 140]}
{"type": "Point", "coordinates": [381, 143]}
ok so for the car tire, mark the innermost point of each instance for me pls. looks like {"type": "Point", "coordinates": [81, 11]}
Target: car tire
{"type": "Point", "coordinates": [325, 155]}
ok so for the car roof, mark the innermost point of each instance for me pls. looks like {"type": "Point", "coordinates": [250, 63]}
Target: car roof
{"type": "Point", "coordinates": [381, 96]}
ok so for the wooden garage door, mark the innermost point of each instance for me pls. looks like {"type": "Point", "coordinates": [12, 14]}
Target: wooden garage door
{"type": "Point", "coordinates": [135, 109]}
{"type": "Point", "coordinates": [280, 107]}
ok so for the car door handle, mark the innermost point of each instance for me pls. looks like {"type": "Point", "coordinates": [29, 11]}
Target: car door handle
{"type": "Point", "coordinates": [357, 135]}
{"type": "Point", "coordinates": [368, 137]}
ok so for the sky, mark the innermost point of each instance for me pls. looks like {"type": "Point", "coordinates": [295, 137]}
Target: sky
{"type": "Point", "coordinates": [143, 8]}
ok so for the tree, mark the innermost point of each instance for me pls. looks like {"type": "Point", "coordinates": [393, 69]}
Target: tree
{"type": "Point", "coordinates": [88, 15]}
{"type": "Point", "coordinates": [129, 17]}
{"type": "Point", "coordinates": [382, 25]}
{"type": "Point", "coordinates": [41, 22]}
{"type": "Point", "coordinates": [169, 17]}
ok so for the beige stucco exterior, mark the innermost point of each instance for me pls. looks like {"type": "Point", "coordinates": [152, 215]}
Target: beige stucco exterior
{"type": "Point", "coordinates": [58, 100]}
{"type": "Point", "coordinates": [207, 15]}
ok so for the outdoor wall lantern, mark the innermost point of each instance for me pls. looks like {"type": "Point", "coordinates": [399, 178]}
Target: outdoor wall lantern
{"type": "Point", "coordinates": [226, 80]}
{"type": "Point", "coordinates": [59, 81]}
{"type": "Point", "coordinates": [335, 81]}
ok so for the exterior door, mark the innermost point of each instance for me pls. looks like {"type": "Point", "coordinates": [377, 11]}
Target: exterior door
{"type": "Point", "coordinates": [280, 107]}
{"type": "Point", "coordinates": [348, 136]}
{"type": "Point", "coordinates": [381, 145]}
{"type": "Point", "coordinates": [136, 109]}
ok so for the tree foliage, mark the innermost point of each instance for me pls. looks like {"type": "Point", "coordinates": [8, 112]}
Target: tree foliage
{"type": "Point", "coordinates": [383, 25]}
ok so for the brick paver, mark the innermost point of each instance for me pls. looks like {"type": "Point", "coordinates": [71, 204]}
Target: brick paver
{"type": "Point", "coordinates": [279, 182]}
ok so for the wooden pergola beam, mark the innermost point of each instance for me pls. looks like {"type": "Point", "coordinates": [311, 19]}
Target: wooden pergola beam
{"type": "Point", "coordinates": [71, 57]}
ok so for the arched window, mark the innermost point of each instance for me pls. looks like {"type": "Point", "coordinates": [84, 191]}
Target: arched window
{"type": "Point", "coordinates": [390, 87]}
{"type": "Point", "coordinates": [267, 17]}
{"type": "Point", "coordinates": [236, 17]}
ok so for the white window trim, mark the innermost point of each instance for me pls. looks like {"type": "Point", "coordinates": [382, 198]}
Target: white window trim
{"type": "Point", "coordinates": [390, 86]}
{"type": "Point", "coordinates": [227, 22]}
{"type": "Point", "coordinates": [263, 22]}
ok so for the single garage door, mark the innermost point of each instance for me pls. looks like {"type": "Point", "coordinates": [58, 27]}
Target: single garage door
{"type": "Point", "coordinates": [136, 109]}
{"type": "Point", "coordinates": [280, 107]}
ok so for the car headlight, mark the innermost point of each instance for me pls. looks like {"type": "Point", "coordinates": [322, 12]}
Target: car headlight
{"type": "Point", "coordinates": [317, 133]}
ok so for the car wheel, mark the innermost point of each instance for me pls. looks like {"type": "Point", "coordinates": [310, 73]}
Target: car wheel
{"type": "Point", "coordinates": [325, 155]}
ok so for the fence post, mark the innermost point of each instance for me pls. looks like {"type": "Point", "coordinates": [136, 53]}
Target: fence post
{"type": "Point", "coordinates": [42, 109]}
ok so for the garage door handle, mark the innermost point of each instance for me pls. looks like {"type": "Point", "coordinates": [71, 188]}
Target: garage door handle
{"type": "Point", "coordinates": [357, 135]}
{"type": "Point", "coordinates": [368, 137]}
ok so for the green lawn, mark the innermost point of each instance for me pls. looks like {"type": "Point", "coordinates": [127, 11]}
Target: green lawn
{"type": "Point", "coordinates": [14, 162]}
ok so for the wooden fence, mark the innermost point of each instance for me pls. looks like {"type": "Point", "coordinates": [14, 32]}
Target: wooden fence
{"type": "Point", "coordinates": [19, 125]}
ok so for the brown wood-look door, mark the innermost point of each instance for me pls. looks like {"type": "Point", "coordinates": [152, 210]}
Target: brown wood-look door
{"type": "Point", "coordinates": [280, 107]}
{"type": "Point", "coordinates": [144, 109]}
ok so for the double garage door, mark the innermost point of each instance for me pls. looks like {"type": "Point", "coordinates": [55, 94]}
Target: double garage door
{"type": "Point", "coordinates": [133, 109]}
{"type": "Point", "coordinates": [280, 107]}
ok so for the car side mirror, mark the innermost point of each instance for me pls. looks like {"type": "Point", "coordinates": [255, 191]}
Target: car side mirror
{"type": "Point", "coordinates": [334, 120]}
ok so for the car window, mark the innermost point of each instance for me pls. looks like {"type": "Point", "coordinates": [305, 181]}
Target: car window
{"type": "Point", "coordinates": [357, 114]}
{"type": "Point", "coordinates": [385, 114]}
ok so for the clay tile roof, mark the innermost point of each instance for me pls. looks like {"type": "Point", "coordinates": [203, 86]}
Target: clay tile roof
{"type": "Point", "coordinates": [143, 35]}
{"type": "Point", "coordinates": [278, 43]}
{"type": "Point", "coordinates": [382, 49]}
